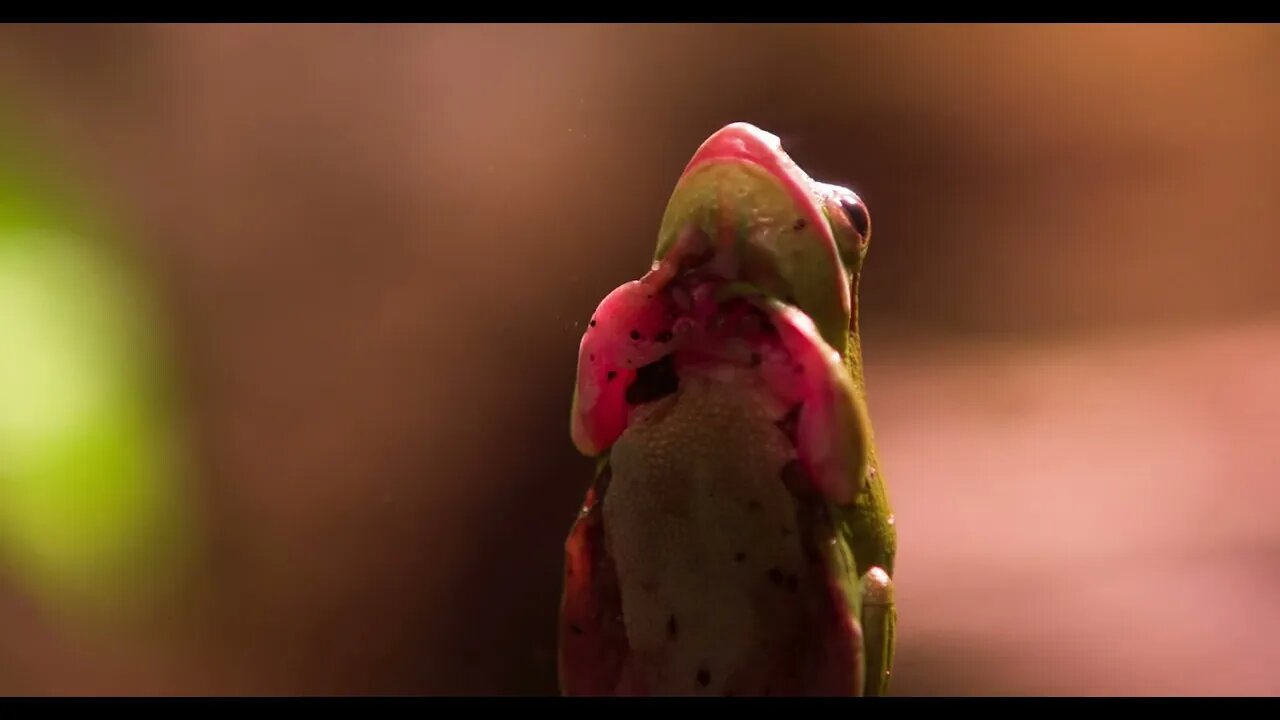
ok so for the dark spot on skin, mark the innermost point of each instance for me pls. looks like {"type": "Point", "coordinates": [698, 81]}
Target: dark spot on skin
{"type": "Point", "coordinates": [593, 322]}
{"type": "Point", "coordinates": [754, 505]}
{"type": "Point", "coordinates": [811, 552]}
{"type": "Point", "coordinates": [799, 224]}
{"type": "Point", "coordinates": [799, 369]}
{"type": "Point", "coordinates": [663, 337]}
{"type": "Point", "coordinates": [788, 426]}
{"type": "Point", "coordinates": [775, 576]}
{"type": "Point", "coordinates": [766, 327]}
{"type": "Point", "coordinates": [704, 676]}
{"type": "Point", "coordinates": [756, 359]}
{"type": "Point", "coordinates": [796, 479]}
{"type": "Point", "coordinates": [858, 217]}
{"type": "Point", "coordinates": [654, 382]}
{"type": "Point", "coordinates": [672, 626]}
{"type": "Point", "coordinates": [793, 582]}
{"type": "Point", "coordinates": [635, 334]}
{"type": "Point", "coordinates": [817, 531]}
{"type": "Point", "coordinates": [739, 557]}
{"type": "Point", "coordinates": [753, 313]}
{"type": "Point", "coordinates": [592, 357]}
{"type": "Point", "coordinates": [576, 630]}
{"type": "Point", "coordinates": [821, 517]}
{"type": "Point", "coordinates": [610, 375]}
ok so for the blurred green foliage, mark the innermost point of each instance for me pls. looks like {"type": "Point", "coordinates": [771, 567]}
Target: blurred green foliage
{"type": "Point", "coordinates": [91, 508]}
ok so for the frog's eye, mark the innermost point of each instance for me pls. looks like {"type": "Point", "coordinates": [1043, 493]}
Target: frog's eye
{"type": "Point", "coordinates": [850, 221]}
{"type": "Point", "coordinates": [858, 216]}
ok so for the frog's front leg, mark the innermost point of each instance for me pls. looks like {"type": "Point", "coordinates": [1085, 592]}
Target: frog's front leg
{"type": "Point", "coordinates": [879, 619]}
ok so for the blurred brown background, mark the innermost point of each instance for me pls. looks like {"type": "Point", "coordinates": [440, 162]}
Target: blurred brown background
{"type": "Point", "coordinates": [379, 244]}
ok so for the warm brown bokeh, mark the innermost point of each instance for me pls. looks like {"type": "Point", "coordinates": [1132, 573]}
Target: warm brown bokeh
{"type": "Point", "coordinates": [380, 244]}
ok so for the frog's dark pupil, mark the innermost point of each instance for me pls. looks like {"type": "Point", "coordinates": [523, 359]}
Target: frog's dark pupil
{"type": "Point", "coordinates": [789, 423]}
{"type": "Point", "coordinates": [858, 217]}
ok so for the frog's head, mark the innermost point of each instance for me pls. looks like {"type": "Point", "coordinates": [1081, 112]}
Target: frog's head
{"type": "Point", "coordinates": [751, 284]}
{"type": "Point", "coordinates": [800, 240]}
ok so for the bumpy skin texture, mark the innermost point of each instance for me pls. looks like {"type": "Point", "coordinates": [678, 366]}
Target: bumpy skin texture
{"type": "Point", "coordinates": [737, 539]}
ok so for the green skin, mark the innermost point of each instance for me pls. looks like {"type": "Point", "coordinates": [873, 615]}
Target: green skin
{"type": "Point", "coordinates": [737, 201]}
{"type": "Point", "coordinates": [805, 275]}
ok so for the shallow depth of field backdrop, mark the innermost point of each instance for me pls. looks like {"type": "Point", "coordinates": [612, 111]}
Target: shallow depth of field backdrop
{"type": "Point", "coordinates": [368, 253]}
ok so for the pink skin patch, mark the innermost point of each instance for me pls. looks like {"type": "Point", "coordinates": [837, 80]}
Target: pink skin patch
{"type": "Point", "coordinates": [631, 328]}
{"type": "Point", "coordinates": [820, 438]}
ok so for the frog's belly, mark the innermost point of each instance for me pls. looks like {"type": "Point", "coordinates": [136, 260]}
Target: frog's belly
{"type": "Point", "coordinates": [703, 534]}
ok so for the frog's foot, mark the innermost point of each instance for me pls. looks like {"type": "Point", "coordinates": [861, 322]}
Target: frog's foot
{"type": "Point", "coordinates": [879, 619]}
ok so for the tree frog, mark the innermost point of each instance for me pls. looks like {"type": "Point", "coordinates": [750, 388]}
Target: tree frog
{"type": "Point", "coordinates": [736, 538]}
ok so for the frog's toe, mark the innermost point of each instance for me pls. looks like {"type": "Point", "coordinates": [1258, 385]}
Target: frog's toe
{"type": "Point", "coordinates": [879, 617]}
